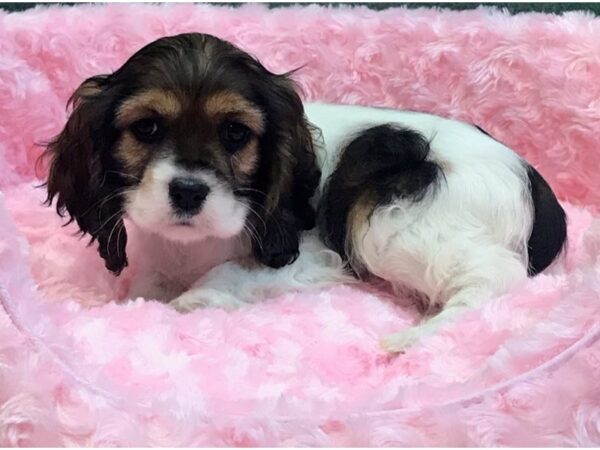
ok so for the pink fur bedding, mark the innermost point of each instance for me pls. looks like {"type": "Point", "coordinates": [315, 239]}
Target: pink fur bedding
{"type": "Point", "coordinates": [77, 368]}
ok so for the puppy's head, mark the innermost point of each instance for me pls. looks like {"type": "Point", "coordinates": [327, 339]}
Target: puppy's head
{"type": "Point", "coordinates": [191, 138]}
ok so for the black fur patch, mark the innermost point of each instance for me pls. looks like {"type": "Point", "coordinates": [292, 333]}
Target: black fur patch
{"type": "Point", "coordinates": [280, 241]}
{"type": "Point", "coordinates": [549, 232]}
{"type": "Point", "coordinates": [386, 161]}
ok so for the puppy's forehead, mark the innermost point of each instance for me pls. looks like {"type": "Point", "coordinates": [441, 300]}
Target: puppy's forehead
{"type": "Point", "coordinates": [191, 76]}
{"type": "Point", "coordinates": [189, 62]}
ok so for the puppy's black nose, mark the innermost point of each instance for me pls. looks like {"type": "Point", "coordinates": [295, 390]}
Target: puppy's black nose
{"type": "Point", "coordinates": [187, 195]}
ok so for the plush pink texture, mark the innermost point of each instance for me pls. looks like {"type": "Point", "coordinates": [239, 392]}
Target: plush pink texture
{"type": "Point", "coordinates": [304, 369]}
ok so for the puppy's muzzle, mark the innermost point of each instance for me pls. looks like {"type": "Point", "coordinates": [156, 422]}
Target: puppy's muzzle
{"type": "Point", "coordinates": [187, 195]}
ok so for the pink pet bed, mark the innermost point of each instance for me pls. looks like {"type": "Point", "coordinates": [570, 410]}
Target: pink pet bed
{"type": "Point", "coordinates": [305, 369]}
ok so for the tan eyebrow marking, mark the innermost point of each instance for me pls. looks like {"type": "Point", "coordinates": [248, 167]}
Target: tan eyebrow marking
{"type": "Point", "coordinates": [245, 161]}
{"type": "Point", "coordinates": [231, 103]}
{"type": "Point", "coordinates": [132, 154]}
{"type": "Point", "coordinates": [138, 106]}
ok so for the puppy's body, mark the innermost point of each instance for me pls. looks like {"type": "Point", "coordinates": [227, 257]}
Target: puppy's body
{"type": "Point", "coordinates": [455, 240]}
{"type": "Point", "coordinates": [460, 208]}
{"type": "Point", "coordinates": [464, 239]}
{"type": "Point", "coordinates": [217, 163]}
{"type": "Point", "coordinates": [434, 206]}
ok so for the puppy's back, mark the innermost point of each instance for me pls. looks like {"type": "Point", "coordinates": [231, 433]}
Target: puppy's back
{"type": "Point", "coordinates": [428, 202]}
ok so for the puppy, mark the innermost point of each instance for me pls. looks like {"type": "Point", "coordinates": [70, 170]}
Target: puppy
{"type": "Point", "coordinates": [219, 166]}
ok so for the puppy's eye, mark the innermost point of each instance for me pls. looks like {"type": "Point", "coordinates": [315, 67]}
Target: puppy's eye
{"type": "Point", "coordinates": [147, 130]}
{"type": "Point", "coordinates": [234, 135]}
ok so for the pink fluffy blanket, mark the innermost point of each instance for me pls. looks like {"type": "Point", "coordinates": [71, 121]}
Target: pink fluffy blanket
{"type": "Point", "coordinates": [77, 368]}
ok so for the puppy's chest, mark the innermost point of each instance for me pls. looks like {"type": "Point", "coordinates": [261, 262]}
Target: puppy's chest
{"type": "Point", "coordinates": [183, 264]}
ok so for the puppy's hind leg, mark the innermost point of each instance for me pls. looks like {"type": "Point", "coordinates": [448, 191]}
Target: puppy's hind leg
{"type": "Point", "coordinates": [469, 286]}
{"type": "Point", "coordinates": [467, 299]}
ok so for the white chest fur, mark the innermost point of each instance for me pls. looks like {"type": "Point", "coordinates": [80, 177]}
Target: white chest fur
{"type": "Point", "coordinates": [166, 268]}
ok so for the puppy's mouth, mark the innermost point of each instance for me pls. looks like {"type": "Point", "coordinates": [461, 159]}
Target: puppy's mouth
{"type": "Point", "coordinates": [184, 223]}
{"type": "Point", "coordinates": [186, 228]}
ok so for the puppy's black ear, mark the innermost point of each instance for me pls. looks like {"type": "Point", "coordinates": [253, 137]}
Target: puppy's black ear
{"type": "Point", "coordinates": [79, 174]}
{"type": "Point", "coordinates": [292, 175]}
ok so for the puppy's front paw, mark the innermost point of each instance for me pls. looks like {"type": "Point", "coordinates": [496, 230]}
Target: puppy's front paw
{"type": "Point", "coordinates": [187, 302]}
{"type": "Point", "coordinates": [203, 298]}
{"type": "Point", "coordinates": [399, 342]}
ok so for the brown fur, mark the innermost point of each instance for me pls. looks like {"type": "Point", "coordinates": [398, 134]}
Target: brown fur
{"type": "Point", "coordinates": [133, 154]}
{"type": "Point", "coordinates": [155, 101]}
{"type": "Point", "coordinates": [245, 160]}
{"type": "Point", "coordinates": [229, 103]}
{"type": "Point", "coordinates": [88, 89]}
{"type": "Point", "coordinates": [358, 216]}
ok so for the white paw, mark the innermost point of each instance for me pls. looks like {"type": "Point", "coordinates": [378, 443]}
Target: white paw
{"type": "Point", "coordinates": [399, 342]}
{"type": "Point", "coordinates": [202, 298]}
{"type": "Point", "coordinates": [187, 302]}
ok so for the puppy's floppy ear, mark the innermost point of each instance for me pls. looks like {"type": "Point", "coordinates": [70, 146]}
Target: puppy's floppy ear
{"type": "Point", "coordinates": [292, 174]}
{"type": "Point", "coordinates": [79, 175]}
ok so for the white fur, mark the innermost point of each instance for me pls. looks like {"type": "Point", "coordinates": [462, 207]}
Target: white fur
{"type": "Point", "coordinates": [234, 284]}
{"type": "Point", "coordinates": [466, 240]}
{"type": "Point", "coordinates": [222, 215]}
{"type": "Point", "coordinates": [463, 242]}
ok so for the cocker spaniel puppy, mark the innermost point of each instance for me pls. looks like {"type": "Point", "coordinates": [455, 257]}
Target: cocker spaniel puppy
{"type": "Point", "coordinates": [220, 167]}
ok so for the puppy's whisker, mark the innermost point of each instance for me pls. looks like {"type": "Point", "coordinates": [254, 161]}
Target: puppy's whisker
{"type": "Point", "coordinates": [259, 205]}
{"type": "Point", "coordinates": [106, 222]}
{"type": "Point", "coordinates": [248, 231]}
{"type": "Point", "coordinates": [250, 209]}
{"type": "Point", "coordinates": [263, 208]}
{"type": "Point", "coordinates": [122, 174]}
{"type": "Point", "coordinates": [117, 223]}
{"type": "Point", "coordinates": [273, 219]}
{"type": "Point", "coordinates": [126, 175]}
{"type": "Point", "coordinates": [237, 190]}
{"type": "Point", "coordinates": [119, 239]}
{"type": "Point", "coordinates": [99, 203]}
{"type": "Point", "coordinates": [254, 236]}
